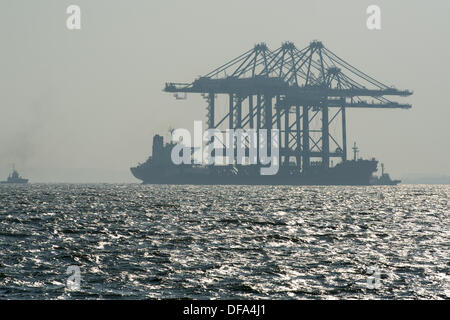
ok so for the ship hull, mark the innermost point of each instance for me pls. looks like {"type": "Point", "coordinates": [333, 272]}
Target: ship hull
{"type": "Point", "coordinates": [349, 173]}
{"type": "Point", "coordinates": [20, 181]}
{"type": "Point", "coordinates": [387, 183]}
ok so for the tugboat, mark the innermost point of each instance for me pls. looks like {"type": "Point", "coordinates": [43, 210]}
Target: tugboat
{"type": "Point", "coordinates": [14, 177]}
{"type": "Point", "coordinates": [384, 179]}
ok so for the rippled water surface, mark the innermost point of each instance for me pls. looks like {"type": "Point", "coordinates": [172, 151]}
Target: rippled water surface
{"type": "Point", "coordinates": [210, 242]}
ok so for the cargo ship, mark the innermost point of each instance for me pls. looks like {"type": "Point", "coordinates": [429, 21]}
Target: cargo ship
{"type": "Point", "coordinates": [303, 94]}
{"type": "Point", "coordinates": [159, 169]}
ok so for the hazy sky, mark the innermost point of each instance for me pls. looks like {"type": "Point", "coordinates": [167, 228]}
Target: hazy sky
{"type": "Point", "coordinates": [83, 105]}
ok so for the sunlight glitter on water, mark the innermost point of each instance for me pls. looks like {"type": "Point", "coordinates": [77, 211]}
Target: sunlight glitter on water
{"type": "Point", "coordinates": [136, 241]}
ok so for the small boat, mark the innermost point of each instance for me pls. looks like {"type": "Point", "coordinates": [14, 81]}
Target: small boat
{"type": "Point", "coordinates": [384, 179]}
{"type": "Point", "coordinates": [14, 177]}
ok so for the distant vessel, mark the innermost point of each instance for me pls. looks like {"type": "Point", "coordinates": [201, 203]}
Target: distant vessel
{"type": "Point", "coordinates": [14, 177]}
{"type": "Point", "coordinates": [384, 179]}
{"type": "Point", "coordinates": [159, 169]}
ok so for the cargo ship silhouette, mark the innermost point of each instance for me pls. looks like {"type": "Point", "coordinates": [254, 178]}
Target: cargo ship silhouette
{"type": "Point", "coordinates": [159, 169]}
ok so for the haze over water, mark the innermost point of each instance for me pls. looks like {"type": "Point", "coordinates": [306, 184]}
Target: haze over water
{"type": "Point", "coordinates": [93, 99]}
{"type": "Point", "coordinates": [137, 241]}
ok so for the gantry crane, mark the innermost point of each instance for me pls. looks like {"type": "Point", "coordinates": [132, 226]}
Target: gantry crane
{"type": "Point", "coordinates": [287, 89]}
